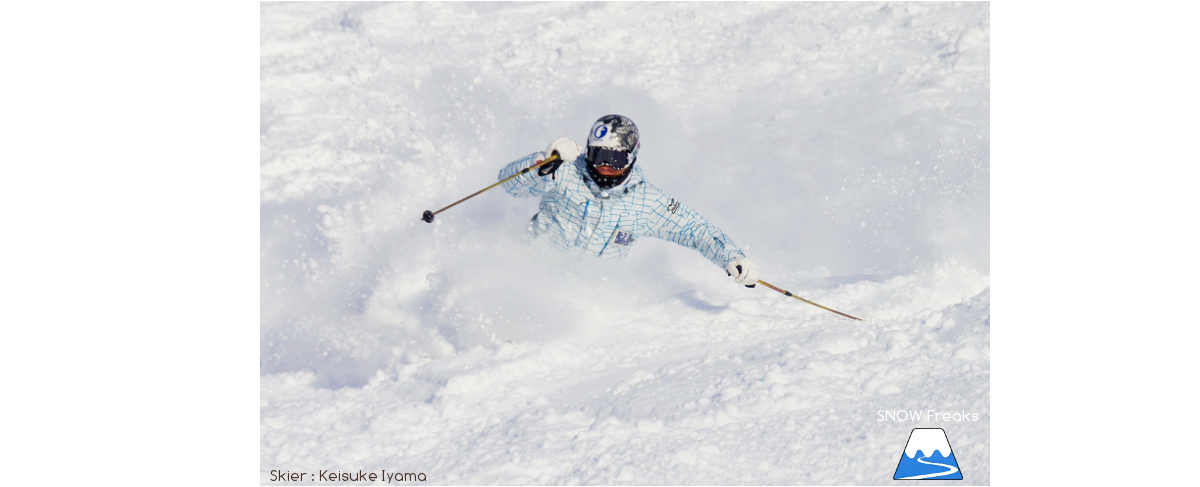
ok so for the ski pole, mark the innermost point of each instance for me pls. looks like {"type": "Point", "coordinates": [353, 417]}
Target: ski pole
{"type": "Point", "coordinates": [786, 293]}
{"type": "Point", "coordinates": [428, 215]}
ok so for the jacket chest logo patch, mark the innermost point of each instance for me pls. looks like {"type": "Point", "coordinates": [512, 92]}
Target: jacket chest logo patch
{"type": "Point", "coordinates": [622, 238]}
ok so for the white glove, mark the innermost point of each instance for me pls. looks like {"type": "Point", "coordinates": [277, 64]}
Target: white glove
{"type": "Point", "coordinates": [566, 148]}
{"type": "Point", "coordinates": [744, 271]}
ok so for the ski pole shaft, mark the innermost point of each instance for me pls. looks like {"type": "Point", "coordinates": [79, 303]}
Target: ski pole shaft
{"type": "Point", "coordinates": [428, 215]}
{"type": "Point", "coordinates": [786, 293]}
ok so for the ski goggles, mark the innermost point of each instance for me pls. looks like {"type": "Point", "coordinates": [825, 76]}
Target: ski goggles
{"type": "Point", "coordinates": [604, 156]}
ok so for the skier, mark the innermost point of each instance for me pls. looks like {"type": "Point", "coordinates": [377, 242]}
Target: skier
{"type": "Point", "coordinates": [595, 202]}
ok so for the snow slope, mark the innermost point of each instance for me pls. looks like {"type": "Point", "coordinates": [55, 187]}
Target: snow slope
{"type": "Point", "coordinates": [845, 146]}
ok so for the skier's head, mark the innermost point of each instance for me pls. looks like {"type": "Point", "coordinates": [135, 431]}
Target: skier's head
{"type": "Point", "coordinates": [612, 149]}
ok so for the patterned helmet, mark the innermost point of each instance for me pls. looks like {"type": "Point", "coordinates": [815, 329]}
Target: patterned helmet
{"type": "Point", "coordinates": [613, 143]}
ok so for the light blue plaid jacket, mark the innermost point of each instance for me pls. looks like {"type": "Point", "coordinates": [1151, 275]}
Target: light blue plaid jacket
{"type": "Point", "coordinates": [577, 217]}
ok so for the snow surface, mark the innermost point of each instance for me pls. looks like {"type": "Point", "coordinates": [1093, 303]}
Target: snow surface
{"type": "Point", "coordinates": [845, 146]}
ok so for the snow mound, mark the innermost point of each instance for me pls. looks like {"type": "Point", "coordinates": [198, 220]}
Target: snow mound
{"type": "Point", "coordinates": [784, 399]}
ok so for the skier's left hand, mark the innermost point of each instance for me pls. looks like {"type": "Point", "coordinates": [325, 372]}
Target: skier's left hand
{"type": "Point", "coordinates": [744, 271]}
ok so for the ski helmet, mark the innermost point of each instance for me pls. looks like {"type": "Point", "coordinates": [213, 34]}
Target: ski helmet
{"type": "Point", "coordinates": [613, 143]}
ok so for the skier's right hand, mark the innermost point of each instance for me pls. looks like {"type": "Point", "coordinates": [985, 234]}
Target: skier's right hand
{"type": "Point", "coordinates": [566, 149]}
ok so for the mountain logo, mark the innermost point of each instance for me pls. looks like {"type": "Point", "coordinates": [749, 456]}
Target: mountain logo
{"type": "Point", "coordinates": [927, 456]}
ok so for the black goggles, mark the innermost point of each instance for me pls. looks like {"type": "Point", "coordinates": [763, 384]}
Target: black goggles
{"type": "Point", "coordinates": [603, 156]}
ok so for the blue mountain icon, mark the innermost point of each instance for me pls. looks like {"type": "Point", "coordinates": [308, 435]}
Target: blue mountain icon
{"type": "Point", "coordinates": [927, 456]}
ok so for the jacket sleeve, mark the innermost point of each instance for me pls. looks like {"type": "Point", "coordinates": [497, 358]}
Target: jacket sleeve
{"type": "Point", "coordinates": [528, 184]}
{"type": "Point", "coordinates": [668, 219]}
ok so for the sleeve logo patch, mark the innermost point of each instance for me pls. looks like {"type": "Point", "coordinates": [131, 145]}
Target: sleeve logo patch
{"type": "Point", "coordinates": [673, 206]}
